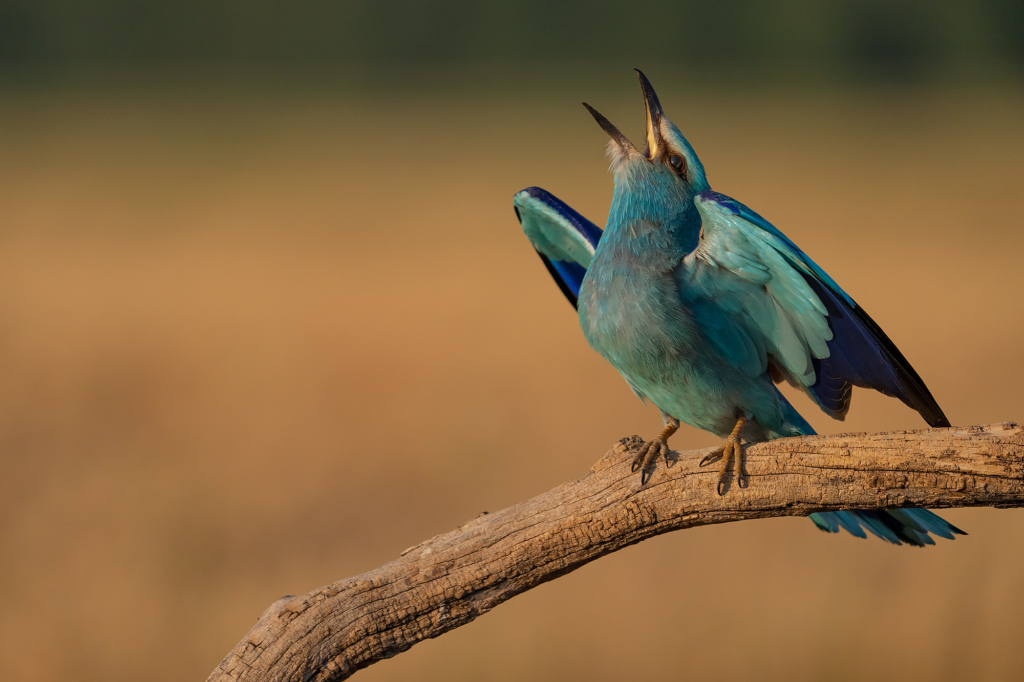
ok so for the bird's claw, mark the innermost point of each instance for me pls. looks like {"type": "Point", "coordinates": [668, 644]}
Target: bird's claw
{"type": "Point", "coordinates": [649, 452]}
{"type": "Point", "coordinates": [706, 459]}
{"type": "Point", "coordinates": [730, 452]}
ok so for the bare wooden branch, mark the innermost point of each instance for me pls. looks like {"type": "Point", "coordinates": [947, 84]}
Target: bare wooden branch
{"type": "Point", "coordinates": [449, 580]}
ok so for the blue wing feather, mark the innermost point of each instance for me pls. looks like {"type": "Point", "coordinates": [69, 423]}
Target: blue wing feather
{"type": "Point", "coordinates": [862, 354]}
{"type": "Point", "coordinates": [568, 276]}
{"type": "Point", "coordinates": [563, 238]}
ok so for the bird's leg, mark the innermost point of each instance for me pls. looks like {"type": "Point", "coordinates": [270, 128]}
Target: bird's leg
{"type": "Point", "coordinates": [650, 450]}
{"type": "Point", "coordinates": [729, 452]}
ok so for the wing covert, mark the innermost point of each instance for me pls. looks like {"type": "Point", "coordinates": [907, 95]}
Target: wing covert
{"type": "Point", "coordinates": [753, 306]}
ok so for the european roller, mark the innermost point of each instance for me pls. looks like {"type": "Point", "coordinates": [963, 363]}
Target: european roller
{"type": "Point", "coordinates": [703, 306]}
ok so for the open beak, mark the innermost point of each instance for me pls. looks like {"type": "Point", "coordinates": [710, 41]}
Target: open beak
{"type": "Point", "coordinates": [654, 115]}
{"type": "Point", "coordinates": [613, 132]}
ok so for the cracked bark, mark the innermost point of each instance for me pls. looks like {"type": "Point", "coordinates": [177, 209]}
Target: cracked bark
{"type": "Point", "coordinates": [449, 580]}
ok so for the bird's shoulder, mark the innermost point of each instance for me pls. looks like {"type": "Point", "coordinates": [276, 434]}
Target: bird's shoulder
{"type": "Point", "coordinates": [731, 228]}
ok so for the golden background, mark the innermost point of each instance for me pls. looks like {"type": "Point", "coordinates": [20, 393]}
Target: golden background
{"type": "Point", "coordinates": [251, 343]}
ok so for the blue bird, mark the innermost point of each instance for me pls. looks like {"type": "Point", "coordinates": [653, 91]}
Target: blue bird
{"type": "Point", "coordinates": [703, 306]}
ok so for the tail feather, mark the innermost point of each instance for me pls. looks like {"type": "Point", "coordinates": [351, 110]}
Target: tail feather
{"type": "Point", "coordinates": [928, 522]}
{"type": "Point", "coordinates": [896, 526]}
{"type": "Point", "coordinates": [850, 525]}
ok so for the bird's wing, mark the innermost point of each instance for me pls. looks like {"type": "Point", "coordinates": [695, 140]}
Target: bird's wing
{"type": "Point", "coordinates": [564, 239]}
{"type": "Point", "coordinates": [766, 306]}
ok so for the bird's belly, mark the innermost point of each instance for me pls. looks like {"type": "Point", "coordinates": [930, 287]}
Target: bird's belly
{"type": "Point", "coordinates": [646, 334]}
{"type": "Point", "coordinates": [695, 394]}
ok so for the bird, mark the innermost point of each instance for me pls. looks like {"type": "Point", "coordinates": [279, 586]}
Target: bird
{"type": "Point", "coordinates": [703, 307]}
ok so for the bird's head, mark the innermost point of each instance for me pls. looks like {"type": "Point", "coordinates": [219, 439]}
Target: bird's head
{"type": "Point", "coordinates": [668, 165]}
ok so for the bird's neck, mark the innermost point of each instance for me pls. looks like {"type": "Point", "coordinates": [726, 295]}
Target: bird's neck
{"type": "Point", "coordinates": [653, 230]}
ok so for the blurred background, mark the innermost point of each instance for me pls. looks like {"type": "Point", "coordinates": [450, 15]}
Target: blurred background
{"type": "Point", "coordinates": [267, 319]}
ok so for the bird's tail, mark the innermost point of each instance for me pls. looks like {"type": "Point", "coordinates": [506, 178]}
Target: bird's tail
{"type": "Point", "coordinates": [898, 526]}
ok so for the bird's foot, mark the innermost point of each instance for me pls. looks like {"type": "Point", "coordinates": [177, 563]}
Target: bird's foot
{"type": "Point", "coordinates": [646, 455]}
{"type": "Point", "coordinates": [732, 451]}
{"type": "Point", "coordinates": [650, 451]}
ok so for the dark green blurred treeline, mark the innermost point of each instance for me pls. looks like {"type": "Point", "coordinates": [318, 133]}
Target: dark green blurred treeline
{"type": "Point", "coordinates": [918, 40]}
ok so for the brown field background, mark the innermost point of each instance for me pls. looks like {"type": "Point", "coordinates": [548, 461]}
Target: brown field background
{"type": "Point", "coordinates": [253, 343]}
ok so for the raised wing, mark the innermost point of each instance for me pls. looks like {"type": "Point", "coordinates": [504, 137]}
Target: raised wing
{"type": "Point", "coordinates": [564, 239]}
{"type": "Point", "coordinates": [765, 306]}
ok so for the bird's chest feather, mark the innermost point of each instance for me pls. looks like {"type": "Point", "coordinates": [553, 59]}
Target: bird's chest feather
{"type": "Point", "coordinates": [630, 313]}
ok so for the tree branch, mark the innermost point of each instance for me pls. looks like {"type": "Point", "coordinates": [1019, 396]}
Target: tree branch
{"type": "Point", "coordinates": [449, 580]}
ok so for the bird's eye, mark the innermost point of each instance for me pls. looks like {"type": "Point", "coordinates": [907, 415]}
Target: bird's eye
{"type": "Point", "coordinates": [676, 162]}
